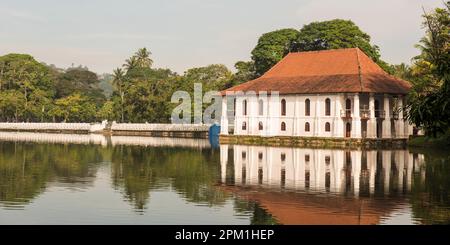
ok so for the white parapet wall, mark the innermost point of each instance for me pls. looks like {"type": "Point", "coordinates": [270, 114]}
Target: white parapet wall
{"type": "Point", "coordinates": [160, 127]}
{"type": "Point", "coordinates": [87, 127]}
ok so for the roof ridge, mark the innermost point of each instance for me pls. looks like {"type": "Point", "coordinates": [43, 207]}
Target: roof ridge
{"type": "Point", "coordinates": [322, 50]}
{"type": "Point", "coordinates": [359, 68]}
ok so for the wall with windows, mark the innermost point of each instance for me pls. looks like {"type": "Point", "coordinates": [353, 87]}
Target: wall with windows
{"type": "Point", "coordinates": [318, 115]}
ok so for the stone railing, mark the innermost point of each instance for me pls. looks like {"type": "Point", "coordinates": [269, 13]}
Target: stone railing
{"type": "Point", "coordinates": [160, 127]}
{"type": "Point", "coordinates": [44, 127]}
{"type": "Point", "coordinates": [346, 113]}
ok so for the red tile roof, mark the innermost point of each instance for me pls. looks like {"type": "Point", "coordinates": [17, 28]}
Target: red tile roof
{"type": "Point", "coordinates": [326, 71]}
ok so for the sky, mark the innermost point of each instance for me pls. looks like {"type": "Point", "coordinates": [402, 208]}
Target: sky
{"type": "Point", "coordinates": [182, 34]}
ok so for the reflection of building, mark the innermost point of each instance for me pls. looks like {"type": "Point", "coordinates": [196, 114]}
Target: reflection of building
{"type": "Point", "coordinates": [347, 178]}
{"type": "Point", "coordinates": [330, 93]}
{"type": "Point", "coordinates": [352, 171]}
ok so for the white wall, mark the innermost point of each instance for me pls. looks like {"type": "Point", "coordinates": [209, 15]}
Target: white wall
{"type": "Point", "coordinates": [295, 118]}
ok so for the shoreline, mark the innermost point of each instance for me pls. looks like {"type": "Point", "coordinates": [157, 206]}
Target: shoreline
{"type": "Point", "coordinates": [315, 142]}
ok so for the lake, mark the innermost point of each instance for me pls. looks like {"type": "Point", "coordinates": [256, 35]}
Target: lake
{"type": "Point", "coordinates": [93, 179]}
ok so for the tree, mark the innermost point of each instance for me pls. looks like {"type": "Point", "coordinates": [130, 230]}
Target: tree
{"type": "Point", "coordinates": [74, 108]}
{"type": "Point", "coordinates": [131, 63]}
{"type": "Point", "coordinates": [80, 80]}
{"type": "Point", "coordinates": [336, 34]}
{"type": "Point", "coordinates": [143, 58]}
{"type": "Point", "coordinates": [33, 82]}
{"type": "Point", "coordinates": [107, 111]}
{"type": "Point", "coordinates": [119, 83]}
{"type": "Point", "coordinates": [245, 72]}
{"type": "Point", "coordinates": [429, 101]}
{"type": "Point", "coordinates": [271, 48]}
{"type": "Point", "coordinates": [212, 77]}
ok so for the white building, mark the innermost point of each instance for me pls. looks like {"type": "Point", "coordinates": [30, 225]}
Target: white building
{"type": "Point", "coordinates": [332, 93]}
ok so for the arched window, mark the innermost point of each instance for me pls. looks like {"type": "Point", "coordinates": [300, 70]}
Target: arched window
{"type": "Point", "coordinates": [348, 108]}
{"type": "Point", "coordinates": [327, 127]}
{"type": "Point", "coordinates": [283, 126]}
{"type": "Point", "coordinates": [307, 107]}
{"type": "Point", "coordinates": [327, 160]}
{"type": "Point", "coordinates": [260, 126]}
{"type": "Point", "coordinates": [377, 108]}
{"type": "Point", "coordinates": [307, 127]}
{"type": "Point", "coordinates": [327, 107]}
{"type": "Point", "coordinates": [244, 107]}
{"type": "Point", "coordinates": [261, 107]}
{"type": "Point", "coordinates": [283, 107]}
{"type": "Point", "coordinates": [234, 107]}
{"type": "Point", "coordinates": [244, 126]}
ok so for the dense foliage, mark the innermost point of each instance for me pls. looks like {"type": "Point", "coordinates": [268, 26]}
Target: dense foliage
{"type": "Point", "coordinates": [429, 100]}
{"type": "Point", "coordinates": [332, 34]}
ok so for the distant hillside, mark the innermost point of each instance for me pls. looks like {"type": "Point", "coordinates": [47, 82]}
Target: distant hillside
{"type": "Point", "coordinates": [106, 84]}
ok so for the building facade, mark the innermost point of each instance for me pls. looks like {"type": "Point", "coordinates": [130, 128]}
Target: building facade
{"type": "Point", "coordinates": [333, 94]}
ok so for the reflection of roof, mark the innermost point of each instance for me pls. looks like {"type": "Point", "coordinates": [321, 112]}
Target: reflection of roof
{"type": "Point", "coordinates": [291, 208]}
{"type": "Point", "coordinates": [326, 71]}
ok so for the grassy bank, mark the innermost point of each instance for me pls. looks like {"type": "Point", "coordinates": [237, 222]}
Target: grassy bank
{"type": "Point", "coordinates": [442, 141]}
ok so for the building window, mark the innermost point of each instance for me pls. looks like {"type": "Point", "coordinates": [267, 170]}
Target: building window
{"type": "Point", "coordinates": [261, 107]}
{"type": "Point", "coordinates": [244, 155]}
{"type": "Point", "coordinates": [234, 107]}
{"type": "Point", "coordinates": [260, 176]}
{"type": "Point", "coordinates": [244, 107]}
{"type": "Point", "coordinates": [327, 127]}
{"type": "Point", "coordinates": [283, 126]}
{"type": "Point", "coordinates": [283, 157]}
{"type": "Point", "coordinates": [260, 156]}
{"type": "Point", "coordinates": [307, 127]}
{"type": "Point", "coordinates": [327, 160]}
{"type": "Point", "coordinates": [306, 158]}
{"type": "Point", "coordinates": [307, 107]}
{"type": "Point", "coordinates": [283, 107]}
{"type": "Point", "coordinates": [244, 126]}
{"type": "Point", "coordinates": [260, 126]}
{"type": "Point", "coordinates": [327, 107]}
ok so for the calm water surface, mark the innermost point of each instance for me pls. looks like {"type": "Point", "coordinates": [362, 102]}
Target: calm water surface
{"type": "Point", "coordinates": [91, 179]}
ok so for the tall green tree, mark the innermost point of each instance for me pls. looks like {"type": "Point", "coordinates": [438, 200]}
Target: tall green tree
{"type": "Point", "coordinates": [119, 83]}
{"type": "Point", "coordinates": [336, 34]}
{"type": "Point", "coordinates": [143, 58]}
{"type": "Point", "coordinates": [80, 80]}
{"type": "Point", "coordinates": [429, 101]}
{"type": "Point", "coordinates": [271, 48]}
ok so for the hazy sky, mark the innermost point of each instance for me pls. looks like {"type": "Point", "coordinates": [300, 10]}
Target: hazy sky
{"type": "Point", "coordinates": [181, 34]}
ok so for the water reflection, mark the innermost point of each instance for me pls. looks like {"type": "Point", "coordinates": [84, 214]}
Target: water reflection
{"type": "Point", "coordinates": [353, 173]}
{"type": "Point", "coordinates": [82, 179]}
{"type": "Point", "coordinates": [319, 186]}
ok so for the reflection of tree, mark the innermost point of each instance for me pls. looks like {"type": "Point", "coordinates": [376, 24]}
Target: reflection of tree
{"type": "Point", "coordinates": [131, 170]}
{"type": "Point", "coordinates": [192, 173]}
{"type": "Point", "coordinates": [26, 168]}
{"type": "Point", "coordinates": [260, 216]}
{"type": "Point", "coordinates": [430, 195]}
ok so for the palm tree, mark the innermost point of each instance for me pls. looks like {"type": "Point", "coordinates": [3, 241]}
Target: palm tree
{"type": "Point", "coordinates": [131, 63]}
{"type": "Point", "coordinates": [143, 58]}
{"type": "Point", "coordinates": [119, 82]}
